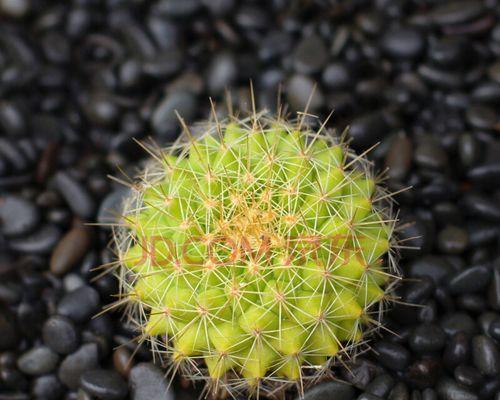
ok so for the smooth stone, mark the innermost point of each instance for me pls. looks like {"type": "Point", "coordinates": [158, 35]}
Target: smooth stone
{"type": "Point", "coordinates": [440, 77]}
{"type": "Point", "coordinates": [477, 205]}
{"type": "Point", "coordinates": [164, 116]}
{"type": "Point", "coordinates": [391, 355]}
{"type": "Point", "coordinates": [399, 392]}
{"type": "Point", "coordinates": [221, 73]}
{"type": "Point", "coordinates": [481, 117]}
{"type": "Point", "coordinates": [448, 389]}
{"type": "Point", "coordinates": [485, 175]}
{"type": "Point", "coordinates": [453, 240]}
{"type": "Point", "coordinates": [494, 329]}
{"type": "Point", "coordinates": [447, 51]}
{"type": "Point", "coordinates": [429, 154]}
{"type": "Point", "coordinates": [111, 208]}
{"type": "Point", "coordinates": [432, 266]}
{"type": "Point", "coordinates": [467, 376]}
{"type": "Point", "coordinates": [41, 241]}
{"type": "Point", "coordinates": [337, 76]}
{"type": "Point", "coordinates": [456, 12]}
{"type": "Point", "coordinates": [75, 194]}
{"type": "Point", "coordinates": [14, 8]}
{"type": "Point", "coordinates": [178, 8]}
{"type": "Point", "coordinates": [38, 361]}
{"type": "Point", "coordinates": [470, 280]}
{"type": "Point", "coordinates": [427, 338]}
{"type": "Point", "coordinates": [368, 396]}
{"type": "Point", "coordinates": [80, 304]}
{"type": "Point", "coordinates": [482, 233]}
{"type": "Point", "coordinates": [485, 355]}
{"type": "Point", "coordinates": [324, 390]}
{"type": "Point", "coordinates": [163, 65]}
{"type": "Point", "coordinates": [75, 364]}
{"type": "Point", "coordinates": [104, 384]}
{"type": "Point", "coordinates": [380, 386]}
{"type": "Point", "coordinates": [148, 383]}
{"type": "Point", "coordinates": [403, 43]}
{"type": "Point", "coordinates": [310, 55]}
{"type": "Point", "coordinates": [423, 373]}
{"type": "Point", "coordinates": [494, 289]}
{"type": "Point", "coordinates": [70, 249]}
{"type": "Point", "coordinates": [60, 334]}
{"type": "Point", "coordinates": [419, 291]}
{"type": "Point", "coordinates": [17, 215]}
{"type": "Point", "coordinates": [399, 157]}
{"type": "Point", "coordinates": [123, 361]}
{"type": "Point", "coordinates": [457, 350]}
{"type": "Point", "coordinates": [47, 387]}
{"type": "Point", "coordinates": [458, 322]}
{"type": "Point", "coordinates": [300, 89]}
{"type": "Point", "coordinates": [368, 129]}
{"type": "Point", "coordinates": [361, 372]}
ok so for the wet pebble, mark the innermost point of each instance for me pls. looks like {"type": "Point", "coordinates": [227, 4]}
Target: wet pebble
{"type": "Point", "coordinates": [38, 361]}
{"type": "Point", "coordinates": [60, 334]}
{"type": "Point", "coordinates": [427, 338]}
{"type": "Point", "coordinates": [470, 280]}
{"type": "Point", "coordinates": [458, 322]}
{"type": "Point", "coordinates": [104, 384]}
{"type": "Point", "coordinates": [467, 376]}
{"type": "Point", "coordinates": [477, 205]}
{"type": "Point", "coordinates": [448, 389]}
{"type": "Point", "coordinates": [340, 390]}
{"type": "Point", "coordinates": [148, 383]}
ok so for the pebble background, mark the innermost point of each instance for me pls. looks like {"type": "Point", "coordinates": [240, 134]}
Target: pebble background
{"type": "Point", "coordinates": [80, 78]}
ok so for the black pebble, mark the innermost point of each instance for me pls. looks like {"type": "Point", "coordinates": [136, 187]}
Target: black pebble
{"type": "Point", "coordinates": [393, 356]}
{"type": "Point", "coordinates": [60, 334]}
{"type": "Point", "coordinates": [80, 304]}
{"type": "Point", "coordinates": [104, 384]}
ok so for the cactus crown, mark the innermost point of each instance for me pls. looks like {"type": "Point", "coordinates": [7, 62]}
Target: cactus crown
{"type": "Point", "coordinates": [256, 254]}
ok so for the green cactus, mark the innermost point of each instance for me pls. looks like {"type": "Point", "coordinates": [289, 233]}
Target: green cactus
{"type": "Point", "coordinates": [257, 254]}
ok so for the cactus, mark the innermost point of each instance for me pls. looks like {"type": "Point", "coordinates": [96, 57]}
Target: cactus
{"type": "Point", "coordinates": [257, 254]}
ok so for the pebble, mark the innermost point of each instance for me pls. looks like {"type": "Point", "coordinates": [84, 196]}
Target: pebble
{"type": "Point", "coordinates": [122, 361]}
{"type": "Point", "coordinates": [477, 205]}
{"type": "Point", "coordinates": [104, 384]}
{"type": "Point", "coordinates": [337, 76]}
{"type": "Point", "coordinates": [452, 240]}
{"type": "Point", "coordinates": [485, 355]}
{"type": "Point", "coordinates": [494, 329]}
{"type": "Point", "coordinates": [70, 249]}
{"type": "Point", "coordinates": [341, 391]}
{"type": "Point", "coordinates": [481, 117]}
{"type": "Point", "coordinates": [428, 154]}
{"type": "Point", "coordinates": [399, 157]}
{"type": "Point", "coordinates": [110, 208]}
{"type": "Point", "coordinates": [300, 89]}
{"type": "Point", "coordinates": [60, 334]}
{"type": "Point", "coordinates": [485, 175]}
{"type": "Point", "coordinates": [455, 12]}
{"type": "Point", "coordinates": [467, 376]}
{"type": "Point", "coordinates": [457, 350]}
{"type": "Point", "coordinates": [380, 386]}
{"type": "Point", "coordinates": [310, 55]}
{"type": "Point", "coordinates": [427, 338]}
{"type": "Point", "coordinates": [458, 322]}
{"type": "Point", "coordinates": [391, 355]}
{"type": "Point", "coordinates": [164, 119]}
{"type": "Point", "coordinates": [41, 241]}
{"type": "Point", "coordinates": [75, 194]}
{"type": "Point", "coordinates": [368, 129]}
{"type": "Point", "coordinates": [448, 389]}
{"type": "Point", "coordinates": [403, 43]}
{"type": "Point", "coordinates": [494, 289]}
{"type": "Point", "coordinates": [470, 280]}
{"type": "Point", "coordinates": [148, 383]}
{"type": "Point", "coordinates": [80, 304]}
{"type": "Point", "coordinates": [75, 364]}
{"type": "Point", "coordinates": [47, 387]}
{"type": "Point", "coordinates": [432, 266]}
{"type": "Point", "coordinates": [38, 361]}
{"type": "Point", "coordinates": [17, 215]}
{"type": "Point", "coordinates": [221, 73]}
{"type": "Point", "coordinates": [399, 392]}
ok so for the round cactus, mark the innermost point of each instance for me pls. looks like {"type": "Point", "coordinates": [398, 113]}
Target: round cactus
{"type": "Point", "coordinates": [257, 253]}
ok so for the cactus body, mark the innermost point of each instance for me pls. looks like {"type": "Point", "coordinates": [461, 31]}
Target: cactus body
{"type": "Point", "coordinates": [257, 253]}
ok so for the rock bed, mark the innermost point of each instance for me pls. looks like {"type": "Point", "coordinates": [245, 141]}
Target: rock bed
{"type": "Point", "coordinates": [80, 79]}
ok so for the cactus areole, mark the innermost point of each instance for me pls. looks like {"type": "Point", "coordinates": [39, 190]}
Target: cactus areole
{"type": "Point", "coordinates": [257, 254]}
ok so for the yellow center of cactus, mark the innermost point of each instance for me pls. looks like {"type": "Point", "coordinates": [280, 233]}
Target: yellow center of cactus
{"type": "Point", "coordinates": [257, 253]}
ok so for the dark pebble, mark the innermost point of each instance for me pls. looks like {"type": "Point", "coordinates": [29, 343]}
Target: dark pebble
{"type": "Point", "coordinates": [380, 386]}
{"type": "Point", "coordinates": [455, 12]}
{"type": "Point", "coordinates": [368, 129]}
{"type": "Point", "coordinates": [80, 304]}
{"type": "Point", "coordinates": [485, 355]}
{"type": "Point", "coordinates": [222, 73]}
{"type": "Point", "coordinates": [403, 43]}
{"type": "Point", "coordinates": [70, 249]}
{"type": "Point", "coordinates": [467, 376]}
{"type": "Point", "coordinates": [457, 350]}
{"type": "Point", "coordinates": [60, 334]}
{"type": "Point", "coordinates": [494, 329]}
{"type": "Point", "coordinates": [448, 389]}
{"type": "Point", "coordinates": [368, 396]}
{"type": "Point", "coordinates": [164, 119]}
{"type": "Point", "coordinates": [110, 208]}
{"type": "Point", "coordinates": [494, 289]}
{"type": "Point", "coordinates": [47, 387]}
{"type": "Point", "coordinates": [104, 384]}
{"type": "Point", "coordinates": [75, 364]}
{"type": "Point", "coordinates": [481, 117]}
{"type": "Point", "coordinates": [75, 194]}
{"type": "Point", "coordinates": [341, 391]}
{"type": "Point", "coordinates": [391, 355]}
{"type": "Point", "coordinates": [470, 280]}
{"type": "Point", "coordinates": [452, 240]}
{"type": "Point", "coordinates": [148, 383]}
{"type": "Point", "coordinates": [41, 241]}
{"type": "Point", "coordinates": [299, 89]}
{"type": "Point", "coordinates": [427, 338]}
{"type": "Point", "coordinates": [337, 76]}
{"type": "Point", "coordinates": [428, 154]}
{"type": "Point", "coordinates": [458, 322]}
{"type": "Point", "coordinates": [17, 215]}
{"type": "Point", "coordinates": [399, 157]}
{"type": "Point", "coordinates": [399, 392]}
{"type": "Point", "coordinates": [480, 206]}
{"type": "Point", "coordinates": [423, 373]}
{"type": "Point", "coordinates": [38, 361]}
{"type": "Point", "coordinates": [432, 266]}
{"type": "Point", "coordinates": [485, 175]}
{"type": "Point", "coordinates": [310, 55]}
